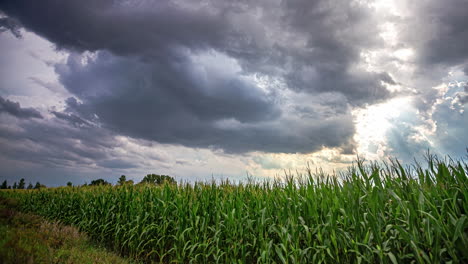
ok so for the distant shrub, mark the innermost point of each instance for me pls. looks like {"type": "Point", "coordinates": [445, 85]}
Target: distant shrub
{"type": "Point", "coordinates": [157, 179]}
{"type": "Point", "coordinates": [99, 182]}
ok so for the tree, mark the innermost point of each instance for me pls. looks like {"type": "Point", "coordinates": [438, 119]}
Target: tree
{"type": "Point", "coordinates": [4, 185]}
{"type": "Point", "coordinates": [122, 180]}
{"type": "Point", "coordinates": [21, 184]}
{"type": "Point", "coordinates": [157, 179]}
{"type": "Point", "coordinates": [99, 182]}
{"type": "Point", "coordinates": [39, 185]}
{"type": "Point", "coordinates": [69, 184]}
{"type": "Point", "coordinates": [15, 186]}
{"type": "Point", "coordinates": [30, 186]}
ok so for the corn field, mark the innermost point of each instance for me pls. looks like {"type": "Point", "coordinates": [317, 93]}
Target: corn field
{"type": "Point", "coordinates": [373, 213]}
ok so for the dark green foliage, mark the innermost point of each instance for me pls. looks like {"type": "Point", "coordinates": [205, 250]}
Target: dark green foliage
{"type": "Point", "coordinates": [69, 184]}
{"type": "Point", "coordinates": [4, 185]}
{"type": "Point", "coordinates": [99, 182]}
{"type": "Point", "coordinates": [30, 186]}
{"type": "Point", "coordinates": [15, 186]}
{"type": "Point", "coordinates": [21, 184]}
{"type": "Point", "coordinates": [39, 185]}
{"type": "Point", "coordinates": [157, 179]}
{"type": "Point", "coordinates": [122, 180]}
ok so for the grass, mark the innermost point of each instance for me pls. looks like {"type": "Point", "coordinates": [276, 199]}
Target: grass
{"type": "Point", "coordinates": [374, 213]}
{"type": "Point", "coordinates": [28, 238]}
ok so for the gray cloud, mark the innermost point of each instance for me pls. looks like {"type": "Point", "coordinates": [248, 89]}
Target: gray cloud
{"type": "Point", "coordinates": [15, 109]}
{"type": "Point", "coordinates": [117, 164]}
{"type": "Point", "coordinates": [71, 118]}
{"type": "Point", "coordinates": [57, 149]}
{"type": "Point", "coordinates": [312, 45]}
{"type": "Point", "coordinates": [438, 31]}
{"type": "Point", "coordinates": [209, 92]}
{"type": "Point", "coordinates": [448, 138]}
{"type": "Point", "coordinates": [11, 25]}
{"type": "Point", "coordinates": [54, 143]}
{"type": "Point", "coordinates": [462, 96]}
{"type": "Point", "coordinates": [402, 141]}
{"type": "Point", "coordinates": [131, 27]}
{"type": "Point", "coordinates": [451, 136]}
{"type": "Point", "coordinates": [328, 38]}
{"type": "Point", "coordinates": [226, 111]}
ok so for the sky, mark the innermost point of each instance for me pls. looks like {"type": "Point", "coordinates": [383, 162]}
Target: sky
{"type": "Point", "coordinates": [222, 89]}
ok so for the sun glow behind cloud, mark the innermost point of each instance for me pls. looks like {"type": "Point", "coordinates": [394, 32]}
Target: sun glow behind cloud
{"type": "Point", "coordinates": [373, 123]}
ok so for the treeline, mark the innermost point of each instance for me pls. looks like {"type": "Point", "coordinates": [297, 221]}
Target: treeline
{"type": "Point", "coordinates": [21, 185]}
{"type": "Point", "coordinates": [155, 179]}
{"type": "Point", "coordinates": [148, 179]}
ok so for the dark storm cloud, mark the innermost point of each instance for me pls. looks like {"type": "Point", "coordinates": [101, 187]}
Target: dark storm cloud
{"type": "Point", "coordinates": [207, 91]}
{"type": "Point", "coordinates": [180, 73]}
{"type": "Point", "coordinates": [53, 143]}
{"type": "Point", "coordinates": [334, 33]}
{"type": "Point", "coordinates": [439, 31]}
{"type": "Point", "coordinates": [117, 164]}
{"type": "Point", "coordinates": [126, 27]}
{"type": "Point", "coordinates": [15, 109]}
{"type": "Point", "coordinates": [312, 45]}
{"type": "Point", "coordinates": [58, 150]}
{"type": "Point", "coordinates": [142, 100]}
